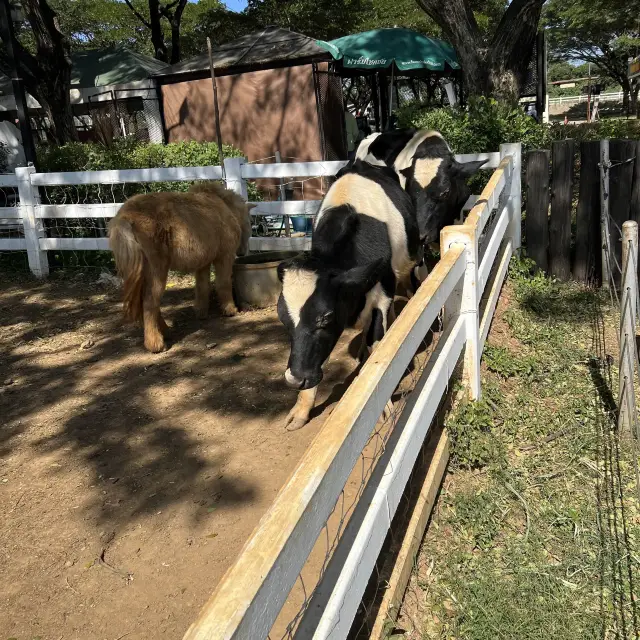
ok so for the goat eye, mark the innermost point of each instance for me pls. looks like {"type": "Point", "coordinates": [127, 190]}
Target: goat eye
{"type": "Point", "coordinates": [324, 320]}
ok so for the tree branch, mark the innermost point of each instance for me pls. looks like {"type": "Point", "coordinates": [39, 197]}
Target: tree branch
{"type": "Point", "coordinates": [137, 14]}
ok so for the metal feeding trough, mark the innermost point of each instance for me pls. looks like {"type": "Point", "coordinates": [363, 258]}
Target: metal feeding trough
{"type": "Point", "coordinates": [255, 278]}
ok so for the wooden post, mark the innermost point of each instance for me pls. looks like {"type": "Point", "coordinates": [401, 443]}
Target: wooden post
{"type": "Point", "coordinates": [33, 228]}
{"type": "Point", "coordinates": [537, 221]}
{"type": "Point", "coordinates": [468, 300]}
{"type": "Point", "coordinates": [621, 153]}
{"type": "Point", "coordinates": [233, 176]}
{"type": "Point", "coordinates": [586, 266]}
{"type": "Point", "coordinates": [560, 220]}
{"type": "Point", "coordinates": [604, 212]}
{"type": "Point", "coordinates": [283, 197]}
{"type": "Point", "coordinates": [515, 193]}
{"type": "Point", "coordinates": [628, 302]}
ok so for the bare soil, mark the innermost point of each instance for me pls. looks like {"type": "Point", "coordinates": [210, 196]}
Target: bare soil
{"type": "Point", "coordinates": [129, 481]}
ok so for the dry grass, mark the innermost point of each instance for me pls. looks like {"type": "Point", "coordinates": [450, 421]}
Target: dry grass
{"type": "Point", "coordinates": [537, 530]}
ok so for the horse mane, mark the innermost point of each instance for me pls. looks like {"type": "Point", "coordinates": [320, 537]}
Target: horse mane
{"type": "Point", "coordinates": [230, 198]}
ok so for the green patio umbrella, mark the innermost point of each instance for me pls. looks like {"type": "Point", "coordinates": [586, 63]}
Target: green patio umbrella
{"type": "Point", "coordinates": [380, 48]}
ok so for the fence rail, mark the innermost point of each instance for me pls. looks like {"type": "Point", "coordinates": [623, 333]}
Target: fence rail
{"type": "Point", "coordinates": [34, 225]}
{"type": "Point", "coordinates": [248, 600]}
{"type": "Point", "coordinates": [604, 97]}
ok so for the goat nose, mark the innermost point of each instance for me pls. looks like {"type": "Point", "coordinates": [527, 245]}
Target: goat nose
{"type": "Point", "coordinates": [291, 380]}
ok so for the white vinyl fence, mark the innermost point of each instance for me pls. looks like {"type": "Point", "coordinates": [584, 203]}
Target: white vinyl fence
{"type": "Point", "coordinates": [256, 598]}
{"type": "Point", "coordinates": [67, 211]}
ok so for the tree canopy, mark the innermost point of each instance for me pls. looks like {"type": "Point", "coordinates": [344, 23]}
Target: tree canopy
{"type": "Point", "coordinates": [603, 32]}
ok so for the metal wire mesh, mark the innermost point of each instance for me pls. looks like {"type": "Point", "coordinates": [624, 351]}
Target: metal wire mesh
{"type": "Point", "coordinates": [11, 230]}
{"type": "Point", "coordinates": [301, 596]}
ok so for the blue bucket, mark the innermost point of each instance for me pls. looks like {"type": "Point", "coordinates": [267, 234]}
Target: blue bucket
{"type": "Point", "coordinates": [300, 223]}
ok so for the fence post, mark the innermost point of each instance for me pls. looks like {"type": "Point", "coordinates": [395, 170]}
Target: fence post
{"type": "Point", "coordinates": [562, 160]}
{"type": "Point", "coordinates": [233, 176]}
{"type": "Point", "coordinates": [604, 211]}
{"type": "Point", "coordinates": [466, 301]}
{"type": "Point", "coordinates": [515, 193]}
{"type": "Point", "coordinates": [628, 302]}
{"type": "Point", "coordinates": [538, 208]}
{"type": "Point", "coordinates": [33, 227]}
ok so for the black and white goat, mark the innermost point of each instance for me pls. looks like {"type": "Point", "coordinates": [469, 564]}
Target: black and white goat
{"type": "Point", "coordinates": [428, 171]}
{"type": "Point", "coordinates": [365, 240]}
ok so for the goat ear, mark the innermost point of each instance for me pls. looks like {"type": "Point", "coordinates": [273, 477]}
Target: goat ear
{"type": "Point", "coordinates": [359, 280]}
{"type": "Point", "coordinates": [251, 205]}
{"type": "Point", "coordinates": [467, 169]}
{"type": "Point", "coordinates": [292, 263]}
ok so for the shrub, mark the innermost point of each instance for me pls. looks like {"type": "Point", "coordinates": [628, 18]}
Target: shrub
{"type": "Point", "coordinates": [130, 154]}
{"type": "Point", "coordinates": [483, 126]}
{"type": "Point", "coordinates": [486, 124]}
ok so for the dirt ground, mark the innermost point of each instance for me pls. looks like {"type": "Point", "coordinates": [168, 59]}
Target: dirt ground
{"type": "Point", "coordinates": [130, 481]}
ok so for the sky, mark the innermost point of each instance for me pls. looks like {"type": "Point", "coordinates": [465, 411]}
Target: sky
{"type": "Point", "coordinates": [236, 5]}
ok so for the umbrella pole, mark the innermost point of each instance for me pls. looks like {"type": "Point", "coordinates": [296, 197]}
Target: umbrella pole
{"type": "Point", "coordinates": [215, 104]}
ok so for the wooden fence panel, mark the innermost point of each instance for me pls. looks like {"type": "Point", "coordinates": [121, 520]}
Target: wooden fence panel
{"type": "Point", "coordinates": [537, 221]}
{"type": "Point", "coordinates": [621, 155]}
{"type": "Point", "coordinates": [587, 266]}
{"type": "Point", "coordinates": [562, 154]}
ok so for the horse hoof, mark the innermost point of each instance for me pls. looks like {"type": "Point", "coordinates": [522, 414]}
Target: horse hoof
{"type": "Point", "coordinates": [155, 346]}
{"type": "Point", "coordinates": [293, 424]}
{"type": "Point", "coordinates": [229, 311]}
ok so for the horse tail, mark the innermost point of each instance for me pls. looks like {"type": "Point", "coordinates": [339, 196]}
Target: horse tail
{"type": "Point", "coordinates": [130, 259]}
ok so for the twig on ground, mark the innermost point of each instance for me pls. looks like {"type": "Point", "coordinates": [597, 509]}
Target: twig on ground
{"type": "Point", "coordinates": [550, 438]}
{"type": "Point", "coordinates": [70, 587]}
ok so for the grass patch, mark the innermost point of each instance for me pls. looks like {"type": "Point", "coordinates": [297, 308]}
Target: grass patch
{"type": "Point", "coordinates": [537, 530]}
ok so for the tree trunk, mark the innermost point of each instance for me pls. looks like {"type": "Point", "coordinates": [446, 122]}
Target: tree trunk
{"type": "Point", "coordinates": [497, 68]}
{"type": "Point", "coordinates": [157, 36]}
{"type": "Point", "coordinates": [53, 75]}
{"type": "Point", "coordinates": [175, 21]}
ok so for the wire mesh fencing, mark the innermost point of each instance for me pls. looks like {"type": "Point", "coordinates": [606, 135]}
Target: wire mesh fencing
{"type": "Point", "coordinates": [298, 616]}
{"type": "Point", "coordinates": [13, 255]}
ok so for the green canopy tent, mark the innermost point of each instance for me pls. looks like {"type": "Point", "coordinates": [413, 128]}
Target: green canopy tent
{"type": "Point", "coordinates": [388, 52]}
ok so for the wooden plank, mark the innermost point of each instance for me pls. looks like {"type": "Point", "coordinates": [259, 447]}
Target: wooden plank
{"type": "Point", "coordinates": [486, 264]}
{"type": "Point", "coordinates": [537, 220]}
{"type": "Point", "coordinates": [74, 244]}
{"type": "Point", "coordinates": [10, 212]}
{"type": "Point", "coordinates": [286, 207]}
{"type": "Point", "coordinates": [247, 600]}
{"type": "Point", "coordinates": [562, 160]}
{"type": "Point", "coordinates": [490, 195]}
{"type": "Point", "coordinates": [586, 265]}
{"type": "Point", "coordinates": [452, 341]}
{"type": "Point", "coordinates": [343, 603]}
{"type": "Point", "coordinates": [8, 180]}
{"type": "Point", "coordinates": [159, 174]}
{"type": "Point", "coordinates": [621, 155]}
{"type": "Point", "coordinates": [280, 244]}
{"type": "Point", "coordinates": [13, 244]}
{"type": "Point", "coordinates": [107, 210]}
{"type": "Point", "coordinates": [392, 599]}
{"type": "Point", "coordinates": [292, 169]}
{"type": "Point", "coordinates": [495, 286]}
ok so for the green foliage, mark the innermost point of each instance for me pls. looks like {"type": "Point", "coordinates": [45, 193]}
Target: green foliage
{"type": "Point", "coordinates": [506, 364]}
{"type": "Point", "coordinates": [130, 154]}
{"type": "Point", "coordinates": [476, 516]}
{"type": "Point", "coordinates": [473, 443]}
{"type": "Point", "coordinates": [484, 125]}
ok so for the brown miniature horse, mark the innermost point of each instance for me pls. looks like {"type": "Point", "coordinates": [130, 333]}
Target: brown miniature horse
{"type": "Point", "coordinates": [155, 232]}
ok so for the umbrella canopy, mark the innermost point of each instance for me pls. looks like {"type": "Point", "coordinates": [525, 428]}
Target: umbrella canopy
{"type": "Point", "coordinates": [380, 48]}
